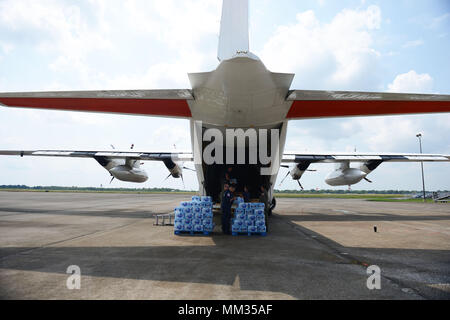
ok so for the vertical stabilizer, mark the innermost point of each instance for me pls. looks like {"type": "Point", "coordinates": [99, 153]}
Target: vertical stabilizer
{"type": "Point", "coordinates": [233, 29]}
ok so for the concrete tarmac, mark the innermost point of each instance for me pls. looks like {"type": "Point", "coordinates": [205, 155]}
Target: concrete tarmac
{"type": "Point", "coordinates": [316, 249]}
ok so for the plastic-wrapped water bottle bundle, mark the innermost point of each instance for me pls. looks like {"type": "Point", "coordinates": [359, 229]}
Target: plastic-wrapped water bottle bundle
{"type": "Point", "coordinates": [238, 201]}
{"type": "Point", "coordinates": [249, 218]}
{"type": "Point", "coordinates": [194, 216]}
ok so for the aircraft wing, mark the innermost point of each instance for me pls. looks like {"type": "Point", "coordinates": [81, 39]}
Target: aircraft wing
{"type": "Point", "coordinates": [165, 103]}
{"type": "Point", "coordinates": [322, 104]}
{"type": "Point", "coordinates": [133, 155]}
{"type": "Point", "coordinates": [307, 157]}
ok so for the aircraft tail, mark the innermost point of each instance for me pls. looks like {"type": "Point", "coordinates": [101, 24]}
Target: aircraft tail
{"type": "Point", "coordinates": [233, 29]}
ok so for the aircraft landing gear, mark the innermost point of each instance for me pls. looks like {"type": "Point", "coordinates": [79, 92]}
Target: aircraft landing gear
{"type": "Point", "coordinates": [272, 206]}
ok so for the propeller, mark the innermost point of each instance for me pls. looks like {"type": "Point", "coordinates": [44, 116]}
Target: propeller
{"type": "Point", "coordinates": [112, 180]}
{"type": "Point", "coordinates": [287, 174]}
{"type": "Point", "coordinates": [368, 180]}
{"type": "Point", "coordinates": [181, 176]}
{"type": "Point", "coordinates": [189, 169]}
{"type": "Point", "coordinates": [285, 178]}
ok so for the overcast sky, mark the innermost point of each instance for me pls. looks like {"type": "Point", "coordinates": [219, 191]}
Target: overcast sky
{"type": "Point", "coordinates": [398, 46]}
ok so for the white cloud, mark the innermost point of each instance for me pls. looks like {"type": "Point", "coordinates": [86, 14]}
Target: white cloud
{"type": "Point", "coordinates": [413, 43]}
{"type": "Point", "coordinates": [438, 20]}
{"type": "Point", "coordinates": [99, 44]}
{"type": "Point", "coordinates": [339, 54]}
{"type": "Point", "coordinates": [87, 34]}
{"type": "Point", "coordinates": [412, 82]}
{"type": "Point", "coordinates": [6, 47]}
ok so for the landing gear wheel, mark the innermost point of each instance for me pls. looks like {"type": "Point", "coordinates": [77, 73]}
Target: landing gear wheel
{"type": "Point", "coordinates": [272, 205]}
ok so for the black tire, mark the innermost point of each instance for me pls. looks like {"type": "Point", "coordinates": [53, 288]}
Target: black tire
{"type": "Point", "coordinates": [273, 204]}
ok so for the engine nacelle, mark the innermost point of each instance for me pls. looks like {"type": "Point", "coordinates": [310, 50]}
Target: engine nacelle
{"type": "Point", "coordinates": [176, 171]}
{"type": "Point", "coordinates": [298, 170]}
{"type": "Point", "coordinates": [128, 170]}
{"type": "Point", "coordinates": [345, 177]}
{"type": "Point", "coordinates": [296, 173]}
{"type": "Point", "coordinates": [125, 173]}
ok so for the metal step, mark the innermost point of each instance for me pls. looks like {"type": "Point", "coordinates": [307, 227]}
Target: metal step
{"type": "Point", "coordinates": [161, 219]}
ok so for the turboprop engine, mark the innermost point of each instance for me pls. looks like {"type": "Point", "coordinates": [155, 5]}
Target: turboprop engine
{"type": "Point", "coordinates": [346, 176]}
{"type": "Point", "coordinates": [128, 170]}
{"type": "Point", "coordinates": [176, 171]}
{"type": "Point", "coordinates": [129, 174]}
{"type": "Point", "coordinates": [297, 172]}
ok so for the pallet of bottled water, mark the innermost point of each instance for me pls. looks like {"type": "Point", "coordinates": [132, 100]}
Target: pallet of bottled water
{"type": "Point", "coordinates": [249, 219]}
{"type": "Point", "coordinates": [194, 217]}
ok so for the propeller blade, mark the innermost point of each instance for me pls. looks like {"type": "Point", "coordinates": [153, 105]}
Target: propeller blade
{"type": "Point", "coordinates": [112, 180]}
{"type": "Point", "coordinates": [168, 177]}
{"type": "Point", "coordinates": [284, 178]}
{"type": "Point", "coordinates": [312, 170]}
{"type": "Point", "coordinates": [368, 180]}
{"type": "Point", "coordinates": [189, 169]}
{"type": "Point", "coordinates": [113, 147]}
{"type": "Point", "coordinates": [182, 179]}
{"type": "Point", "coordinates": [300, 185]}
{"type": "Point", "coordinates": [285, 166]}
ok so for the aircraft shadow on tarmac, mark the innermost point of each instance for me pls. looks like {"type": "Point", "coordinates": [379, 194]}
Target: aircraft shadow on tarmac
{"type": "Point", "coordinates": [365, 217]}
{"type": "Point", "coordinates": [292, 260]}
{"type": "Point", "coordinates": [115, 213]}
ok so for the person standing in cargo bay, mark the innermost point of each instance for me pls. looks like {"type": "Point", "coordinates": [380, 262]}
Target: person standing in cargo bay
{"type": "Point", "coordinates": [227, 201]}
{"type": "Point", "coordinates": [264, 198]}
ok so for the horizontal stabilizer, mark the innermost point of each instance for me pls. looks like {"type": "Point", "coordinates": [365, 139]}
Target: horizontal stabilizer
{"type": "Point", "coordinates": [166, 103]}
{"type": "Point", "coordinates": [323, 104]}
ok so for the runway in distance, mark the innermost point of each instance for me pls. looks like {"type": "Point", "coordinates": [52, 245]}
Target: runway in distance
{"type": "Point", "coordinates": [239, 116]}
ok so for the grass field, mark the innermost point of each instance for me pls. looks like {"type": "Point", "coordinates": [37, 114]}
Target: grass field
{"type": "Point", "coordinates": [100, 191]}
{"type": "Point", "coordinates": [339, 196]}
{"type": "Point", "coordinates": [368, 197]}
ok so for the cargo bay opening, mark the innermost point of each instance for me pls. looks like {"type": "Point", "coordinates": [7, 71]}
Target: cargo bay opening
{"type": "Point", "coordinates": [247, 173]}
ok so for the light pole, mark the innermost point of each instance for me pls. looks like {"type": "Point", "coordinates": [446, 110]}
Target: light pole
{"type": "Point", "coordinates": [419, 136]}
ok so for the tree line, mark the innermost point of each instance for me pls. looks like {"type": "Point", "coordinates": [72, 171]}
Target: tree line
{"type": "Point", "coordinates": [311, 191]}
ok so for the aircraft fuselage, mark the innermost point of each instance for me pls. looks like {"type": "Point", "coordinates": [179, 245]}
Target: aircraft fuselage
{"type": "Point", "coordinates": [240, 94]}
